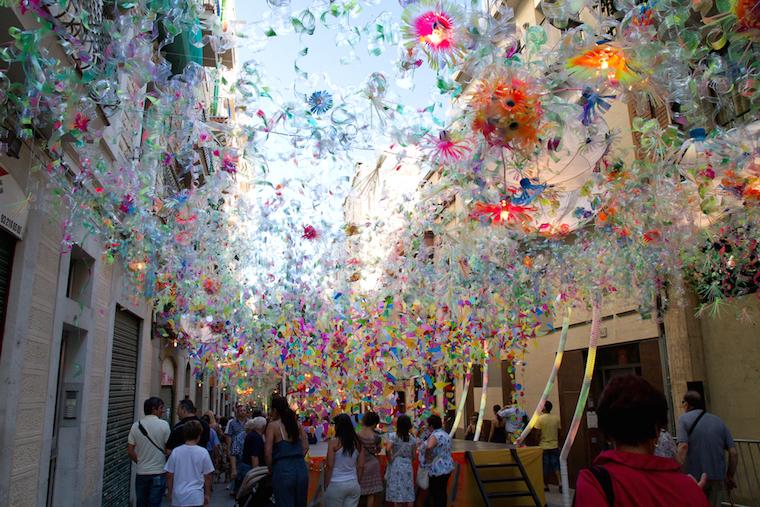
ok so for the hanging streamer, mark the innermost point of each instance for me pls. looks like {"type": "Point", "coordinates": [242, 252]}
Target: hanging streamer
{"type": "Point", "coordinates": [596, 311]}
{"type": "Point", "coordinates": [462, 401]}
{"type": "Point", "coordinates": [550, 381]}
{"type": "Point", "coordinates": [483, 395]}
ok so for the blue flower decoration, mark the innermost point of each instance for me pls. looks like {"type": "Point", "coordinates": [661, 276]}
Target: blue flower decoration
{"type": "Point", "coordinates": [320, 102]}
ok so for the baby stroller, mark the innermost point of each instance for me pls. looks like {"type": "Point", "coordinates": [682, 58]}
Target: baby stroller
{"type": "Point", "coordinates": [256, 489]}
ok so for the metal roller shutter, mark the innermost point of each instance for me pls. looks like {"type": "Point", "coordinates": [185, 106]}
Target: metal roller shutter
{"type": "Point", "coordinates": [121, 409]}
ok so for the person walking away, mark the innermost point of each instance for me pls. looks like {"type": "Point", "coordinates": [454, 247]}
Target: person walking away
{"type": "Point", "coordinates": [235, 427]}
{"type": "Point", "coordinates": [284, 451]}
{"type": "Point", "coordinates": [186, 412]}
{"type": "Point", "coordinates": [238, 465]}
{"type": "Point", "coordinates": [213, 437]}
{"type": "Point", "coordinates": [548, 425]}
{"type": "Point", "coordinates": [253, 447]}
{"type": "Point", "coordinates": [372, 480]}
{"type": "Point", "coordinates": [345, 465]}
{"type": "Point", "coordinates": [441, 463]}
{"type": "Point", "coordinates": [400, 448]}
{"type": "Point", "coordinates": [630, 414]}
{"type": "Point", "coordinates": [223, 464]}
{"type": "Point", "coordinates": [189, 470]}
{"type": "Point", "coordinates": [146, 447]}
{"type": "Point", "coordinates": [498, 430]}
{"type": "Point", "coordinates": [703, 440]}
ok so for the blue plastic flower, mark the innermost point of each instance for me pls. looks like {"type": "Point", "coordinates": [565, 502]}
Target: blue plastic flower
{"type": "Point", "coordinates": [320, 102]}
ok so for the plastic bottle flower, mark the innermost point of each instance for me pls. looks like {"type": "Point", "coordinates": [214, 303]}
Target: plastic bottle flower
{"type": "Point", "coordinates": [448, 147]}
{"type": "Point", "coordinates": [437, 27]}
{"type": "Point", "coordinates": [309, 232]}
{"type": "Point", "coordinates": [605, 61]}
{"type": "Point", "coordinates": [507, 112]}
{"type": "Point", "coordinates": [502, 213]}
{"type": "Point", "coordinates": [320, 102]}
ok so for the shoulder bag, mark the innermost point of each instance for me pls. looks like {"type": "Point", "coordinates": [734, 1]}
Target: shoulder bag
{"type": "Point", "coordinates": [145, 434]}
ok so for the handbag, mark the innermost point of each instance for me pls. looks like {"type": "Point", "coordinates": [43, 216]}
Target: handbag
{"type": "Point", "coordinates": [423, 479]}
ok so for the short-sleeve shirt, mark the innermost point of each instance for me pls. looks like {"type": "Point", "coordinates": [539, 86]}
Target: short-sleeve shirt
{"type": "Point", "coordinates": [177, 436]}
{"type": "Point", "coordinates": [234, 427]}
{"type": "Point", "coordinates": [442, 463]}
{"type": "Point", "coordinates": [513, 417]}
{"type": "Point", "coordinates": [708, 444]}
{"type": "Point", "coordinates": [238, 442]}
{"type": "Point", "coordinates": [253, 446]}
{"type": "Point", "coordinates": [549, 426]}
{"type": "Point", "coordinates": [188, 463]}
{"type": "Point", "coordinates": [150, 459]}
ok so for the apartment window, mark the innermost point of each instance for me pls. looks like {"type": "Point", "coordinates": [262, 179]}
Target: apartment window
{"type": "Point", "coordinates": [79, 286]}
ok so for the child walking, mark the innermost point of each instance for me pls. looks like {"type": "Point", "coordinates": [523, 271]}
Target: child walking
{"type": "Point", "coordinates": [189, 470]}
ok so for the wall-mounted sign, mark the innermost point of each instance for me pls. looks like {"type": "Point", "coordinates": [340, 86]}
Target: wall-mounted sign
{"type": "Point", "coordinates": [14, 206]}
{"type": "Point", "coordinates": [167, 372]}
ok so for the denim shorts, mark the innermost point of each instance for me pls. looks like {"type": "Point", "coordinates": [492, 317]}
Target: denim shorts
{"type": "Point", "coordinates": [551, 461]}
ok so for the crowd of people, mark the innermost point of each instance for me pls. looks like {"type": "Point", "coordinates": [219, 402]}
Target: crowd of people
{"type": "Point", "coordinates": [644, 464]}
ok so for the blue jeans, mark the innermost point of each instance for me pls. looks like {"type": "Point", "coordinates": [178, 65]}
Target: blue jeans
{"type": "Point", "coordinates": [149, 490]}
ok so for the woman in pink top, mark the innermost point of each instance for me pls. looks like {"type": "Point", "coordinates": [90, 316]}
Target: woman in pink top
{"type": "Point", "coordinates": [631, 413]}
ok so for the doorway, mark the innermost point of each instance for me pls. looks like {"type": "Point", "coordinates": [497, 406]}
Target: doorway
{"type": "Point", "coordinates": [66, 436]}
{"type": "Point", "coordinates": [638, 358]}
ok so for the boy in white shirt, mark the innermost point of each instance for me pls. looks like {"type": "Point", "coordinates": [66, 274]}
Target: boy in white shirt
{"type": "Point", "coordinates": [189, 470]}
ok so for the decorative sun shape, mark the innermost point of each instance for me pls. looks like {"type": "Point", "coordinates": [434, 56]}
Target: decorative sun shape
{"type": "Point", "coordinates": [606, 62]}
{"type": "Point", "coordinates": [436, 27]}
{"type": "Point", "coordinates": [320, 102]}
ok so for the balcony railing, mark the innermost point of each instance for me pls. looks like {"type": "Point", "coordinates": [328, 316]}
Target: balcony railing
{"type": "Point", "coordinates": [747, 491]}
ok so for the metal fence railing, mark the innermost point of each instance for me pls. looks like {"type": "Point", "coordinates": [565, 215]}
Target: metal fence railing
{"type": "Point", "coordinates": [747, 491]}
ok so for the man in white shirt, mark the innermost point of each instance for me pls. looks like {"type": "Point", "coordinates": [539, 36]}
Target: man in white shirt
{"type": "Point", "coordinates": [146, 447]}
{"type": "Point", "coordinates": [514, 421]}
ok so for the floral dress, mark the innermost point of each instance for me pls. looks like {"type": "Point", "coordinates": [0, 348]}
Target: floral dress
{"type": "Point", "coordinates": [441, 463]}
{"type": "Point", "coordinates": [371, 480]}
{"type": "Point", "coordinates": [400, 475]}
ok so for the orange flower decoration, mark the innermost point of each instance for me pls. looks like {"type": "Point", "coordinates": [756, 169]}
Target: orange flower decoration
{"type": "Point", "coordinates": [752, 190]}
{"type": "Point", "coordinates": [507, 113]}
{"type": "Point", "coordinates": [603, 61]}
{"type": "Point", "coordinates": [747, 16]}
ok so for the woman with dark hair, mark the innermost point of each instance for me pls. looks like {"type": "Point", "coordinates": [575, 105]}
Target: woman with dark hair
{"type": "Point", "coordinates": [498, 429]}
{"type": "Point", "coordinates": [345, 465]}
{"type": "Point", "coordinates": [400, 447]}
{"type": "Point", "coordinates": [285, 448]}
{"type": "Point", "coordinates": [439, 460]}
{"type": "Point", "coordinates": [371, 481]}
{"type": "Point", "coordinates": [631, 413]}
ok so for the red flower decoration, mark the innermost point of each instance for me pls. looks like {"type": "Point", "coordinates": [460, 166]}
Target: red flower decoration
{"type": "Point", "coordinates": [309, 232]}
{"type": "Point", "coordinates": [210, 286]}
{"type": "Point", "coordinates": [81, 121]}
{"type": "Point", "coordinates": [504, 212]}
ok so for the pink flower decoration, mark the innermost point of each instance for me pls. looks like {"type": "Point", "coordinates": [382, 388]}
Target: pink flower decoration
{"type": "Point", "coordinates": [435, 29]}
{"type": "Point", "coordinates": [447, 148]}
{"type": "Point", "coordinates": [309, 232]}
{"type": "Point", "coordinates": [229, 163]}
{"type": "Point", "coordinates": [81, 121]}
